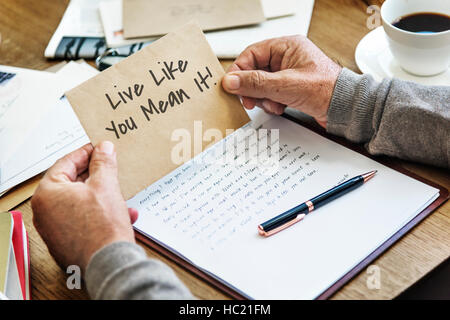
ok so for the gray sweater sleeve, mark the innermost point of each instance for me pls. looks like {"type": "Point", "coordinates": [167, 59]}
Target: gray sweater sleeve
{"type": "Point", "coordinates": [123, 271]}
{"type": "Point", "coordinates": [394, 117]}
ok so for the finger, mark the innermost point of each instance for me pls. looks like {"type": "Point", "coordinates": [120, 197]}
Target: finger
{"type": "Point", "coordinates": [267, 105]}
{"type": "Point", "coordinates": [103, 165]}
{"type": "Point", "coordinates": [249, 103]}
{"type": "Point", "coordinates": [134, 214]}
{"type": "Point", "coordinates": [260, 56]}
{"type": "Point", "coordinates": [69, 167]}
{"type": "Point", "coordinates": [83, 176]}
{"type": "Point", "coordinates": [234, 67]}
{"type": "Point", "coordinates": [257, 84]}
{"type": "Point", "coordinates": [273, 107]}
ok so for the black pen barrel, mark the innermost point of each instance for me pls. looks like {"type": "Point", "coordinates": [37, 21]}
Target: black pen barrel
{"type": "Point", "coordinates": [337, 192]}
{"type": "Point", "coordinates": [317, 202]}
{"type": "Point", "coordinates": [284, 218]}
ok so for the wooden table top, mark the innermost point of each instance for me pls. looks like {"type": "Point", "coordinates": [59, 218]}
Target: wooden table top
{"type": "Point", "coordinates": [336, 27]}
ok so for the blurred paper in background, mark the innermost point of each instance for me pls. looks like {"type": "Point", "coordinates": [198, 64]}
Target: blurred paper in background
{"type": "Point", "coordinates": [55, 133]}
{"type": "Point", "coordinates": [285, 17]}
{"type": "Point", "coordinates": [142, 18]}
{"type": "Point", "coordinates": [23, 98]}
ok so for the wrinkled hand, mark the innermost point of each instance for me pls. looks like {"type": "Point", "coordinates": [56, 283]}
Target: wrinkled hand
{"type": "Point", "coordinates": [78, 207]}
{"type": "Point", "coordinates": [284, 72]}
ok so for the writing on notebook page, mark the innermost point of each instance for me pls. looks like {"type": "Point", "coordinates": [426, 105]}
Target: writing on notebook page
{"type": "Point", "coordinates": [209, 201]}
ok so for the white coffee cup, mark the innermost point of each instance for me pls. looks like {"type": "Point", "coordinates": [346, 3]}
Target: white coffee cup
{"type": "Point", "coordinates": [422, 54]}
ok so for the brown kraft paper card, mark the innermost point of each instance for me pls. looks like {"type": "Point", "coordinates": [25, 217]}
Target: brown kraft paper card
{"type": "Point", "coordinates": [139, 102]}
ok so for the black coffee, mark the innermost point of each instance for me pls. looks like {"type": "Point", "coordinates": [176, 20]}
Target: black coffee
{"type": "Point", "coordinates": [423, 22]}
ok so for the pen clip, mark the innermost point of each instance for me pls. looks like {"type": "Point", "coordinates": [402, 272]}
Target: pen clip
{"type": "Point", "coordinates": [266, 234]}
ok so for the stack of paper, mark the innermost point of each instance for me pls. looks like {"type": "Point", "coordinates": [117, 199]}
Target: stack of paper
{"type": "Point", "coordinates": [14, 257]}
{"type": "Point", "coordinates": [37, 125]}
{"type": "Point", "coordinates": [89, 27]}
{"type": "Point", "coordinates": [143, 18]}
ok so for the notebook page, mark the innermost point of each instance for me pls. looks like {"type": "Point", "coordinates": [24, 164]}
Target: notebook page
{"type": "Point", "coordinates": [209, 212]}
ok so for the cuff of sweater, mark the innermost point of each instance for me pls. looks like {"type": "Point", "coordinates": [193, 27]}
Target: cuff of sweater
{"type": "Point", "coordinates": [106, 261]}
{"type": "Point", "coordinates": [351, 109]}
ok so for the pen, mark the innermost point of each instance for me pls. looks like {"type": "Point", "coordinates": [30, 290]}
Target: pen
{"type": "Point", "coordinates": [297, 213]}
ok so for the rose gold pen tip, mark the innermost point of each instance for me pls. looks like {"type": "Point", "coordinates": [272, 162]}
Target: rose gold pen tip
{"type": "Point", "coordinates": [261, 230]}
{"type": "Point", "coordinates": [369, 175]}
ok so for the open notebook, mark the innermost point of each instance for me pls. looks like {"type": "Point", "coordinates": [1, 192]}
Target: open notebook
{"type": "Point", "coordinates": [207, 213]}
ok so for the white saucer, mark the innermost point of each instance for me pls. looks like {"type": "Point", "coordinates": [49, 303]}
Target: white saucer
{"type": "Point", "coordinates": [374, 57]}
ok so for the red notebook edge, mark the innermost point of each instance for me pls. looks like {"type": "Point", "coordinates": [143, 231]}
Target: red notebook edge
{"type": "Point", "coordinates": [27, 271]}
{"type": "Point", "coordinates": [17, 242]}
{"type": "Point", "coordinates": [21, 252]}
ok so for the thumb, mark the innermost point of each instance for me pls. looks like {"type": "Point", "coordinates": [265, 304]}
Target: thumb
{"type": "Point", "coordinates": [134, 215]}
{"type": "Point", "coordinates": [256, 84]}
{"type": "Point", "coordinates": [103, 164]}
